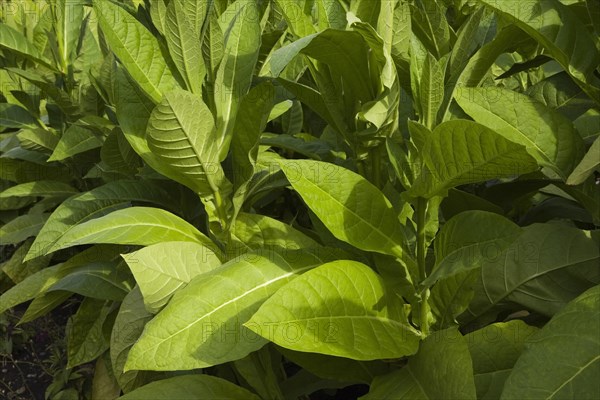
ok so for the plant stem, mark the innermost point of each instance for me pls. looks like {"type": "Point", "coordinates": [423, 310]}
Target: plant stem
{"type": "Point", "coordinates": [421, 255]}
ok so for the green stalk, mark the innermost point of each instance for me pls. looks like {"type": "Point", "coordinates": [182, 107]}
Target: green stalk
{"type": "Point", "coordinates": [421, 254]}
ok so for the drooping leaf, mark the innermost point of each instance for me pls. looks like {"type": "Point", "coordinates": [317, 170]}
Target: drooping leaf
{"type": "Point", "coordinates": [40, 188]}
{"type": "Point", "coordinates": [341, 309]}
{"type": "Point", "coordinates": [442, 369]}
{"type": "Point", "coordinates": [545, 268]}
{"type": "Point", "coordinates": [164, 268]}
{"type": "Point", "coordinates": [98, 280]}
{"type": "Point", "coordinates": [460, 152]}
{"type": "Point", "coordinates": [562, 360]}
{"type": "Point", "coordinates": [191, 387]}
{"type": "Point", "coordinates": [352, 208]}
{"type": "Point", "coordinates": [75, 140]}
{"type": "Point", "coordinates": [134, 225]}
{"type": "Point", "coordinates": [202, 324]}
{"type": "Point", "coordinates": [14, 116]}
{"type": "Point", "coordinates": [547, 135]}
{"type": "Point", "coordinates": [22, 227]}
{"type": "Point", "coordinates": [85, 338]}
{"type": "Point", "coordinates": [587, 166]}
{"type": "Point", "coordinates": [93, 204]}
{"type": "Point", "coordinates": [136, 48]}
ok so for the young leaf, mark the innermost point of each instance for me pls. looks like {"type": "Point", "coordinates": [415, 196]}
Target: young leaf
{"type": "Point", "coordinates": [202, 324]}
{"type": "Point", "coordinates": [340, 309]}
{"type": "Point", "coordinates": [562, 360]}
{"type": "Point", "coordinates": [163, 268]}
{"type": "Point", "coordinates": [548, 136]}
{"type": "Point", "coordinates": [136, 48]}
{"type": "Point", "coordinates": [191, 387]}
{"type": "Point", "coordinates": [460, 152]}
{"type": "Point", "coordinates": [352, 208]}
{"type": "Point", "coordinates": [234, 76]}
{"type": "Point", "coordinates": [442, 369]}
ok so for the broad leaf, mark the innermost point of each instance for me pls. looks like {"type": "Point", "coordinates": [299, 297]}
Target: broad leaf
{"type": "Point", "coordinates": [39, 188]}
{"type": "Point", "coordinates": [587, 166]}
{"type": "Point", "coordinates": [468, 239]}
{"type": "Point", "coordinates": [563, 359]}
{"type": "Point", "coordinates": [163, 268]}
{"type": "Point", "coordinates": [352, 208]}
{"type": "Point", "coordinates": [341, 309]}
{"type": "Point", "coordinates": [545, 268]}
{"type": "Point", "coordinates": [494, 350]}
{"type": "Point", "coordinates": [98, 280]}
{"type": "Point", "coordinates": [548, 135]}
{"type": "Point", "coordinates": [15, 41]}
{"type": "Point", "coordinates": [85, 338]}
{"type": "Point", "coordinates": [22, 227]}
{"type": "Point", "coordinates": [442, 369]}
{"type": "Point", "coordinates": [202, 324]}
{"type": "Point", "coordinates": [75, 140]}
{"type": "Point", "coordinates": [136, 48]}
{"type": "Point", "coordinates": [14, 116]}
{"type": "Point", "coordinates": [191, 387]}
{"type": "Point", "coordinates": [135, 225]}
{"type": "Point", "coordinates": [460, 152]}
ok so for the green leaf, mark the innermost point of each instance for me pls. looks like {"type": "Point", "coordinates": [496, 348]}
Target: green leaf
{"type": "Point", "coordinates": [545, 268]}
{"type": "Point", "coordinates": [559, 93]}
{"type": "Point", "coordinates": [251, 121]}
{"type": "Point", "coordinates": [191, 387]}
{"type": "Point", "coordinates": [136, 48]}
{"type": "Point", "coordinates": [587, 166]}
{"type": "Point", "coordinates": [128, 326]}
{"type": "Point", "coordinates": [39, 188]}
{"type": "Point", "coordinates": [256, 231]}
{"type": "Point", "coordinates": [85, 339]}
{"type": "Point", "coordinates": [430, 25]}
{"type": "Point", "coordinates": [563, 359]}
{"type": "Point", "coordinates": [547, 135]}
{"type": "Point", "coordinates": [75, 140]}
{"type": "Point", "coordinates": [460, 152]}
{"type": "Point", "coordinates": [67, 20]}
{"type": "Point", "coordinates": [181, 134]}
{"type": "Point", "coordinates": [494, 350]}
{"type": "Point", "coordinates": [164, 268]}
{"type": "Point", "coordinates": [352, 208]}
{"type": "Point", "coordinates": [340, 309]}
{"type": "Point", "coordinates": [242, 44]}
{"type": "Point", "coordinates": [260, 370]}
{"type": "Point", "coordinates": [93, 204]}
{"type": "Point", "coordinates": [22, 227]}
{"type": "Point", "coordinates": [135, 225]}
{"type": "Point", "coordinates": [184, 45]}
{"type": "Point", "coordinates": [15, 41]}
{"type": "Point", "coordinates": [557, 28]}
{"type": "Point", "coordinates": [298, 19]}
{"type": "Point", "coordinates": [442, 369]}
{"type": "Point", "coordinates": [431, 88]}
{"type": "Point", "coordinates": [202, 324]}
{"type": "Point", "coordinates": [98, 280]}
{"type": "Point", "coordinates": [468, 239]}
{"type": "Point", "coordinates": [14, 116]}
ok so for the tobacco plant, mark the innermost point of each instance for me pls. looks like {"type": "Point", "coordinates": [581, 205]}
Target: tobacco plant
{"type": "Point", "coordinates": [291, 199]}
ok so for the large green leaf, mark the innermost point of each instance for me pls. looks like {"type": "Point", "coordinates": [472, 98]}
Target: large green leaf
{"type": "Point", "coordinates": [352, 208]}
{"type": "Point", "coordinates": [242, 44]}
{"type": "Point", "coordinates": [67, 19]}
{"type": "Point", "coordinates": [98, 280]}
{"type": "Point", "coordinates": [181, 134]}
{"type": "Point", "coordinates": [40, 188]}
{"type": "Point", "coordinates": [93, 204]}
{"type": "Point", "coordinates": [191, 387]}
{"type": "Point", "coordinates": [184, 45]}
{"type": "Point", "coordinates": [163, 268]}
{"type": "Point", "coordinates": [340, 309]}
{"type": "Point", "coordinates": [548, 135]}
{"type": "Point", "coordinates": [202, 324]}
{"type": "Point", "coordinates": [75, 140]}
{"type": "Point", "coordinates": [561, 361]}
{"type": "Point", "coordinates": [22, 227]}
{"type": "Point", "coordinates": [556, 27]}
{"type": "Point", "coordinates": [545, 268]}
{"type": "Point", "coordinates": [468, 239]}
{"type": "Point", "coordinates": [136, 48]}
{"type": "Point", "coordinates": [442, 369]}
{"type": "Point", "coordinates": [14, 116]}
{"type": "Point", "coordinates": [460, 152]}
{"type": "Point", "coordinates": [135, 225]}
{"type": "Point", "coordinates": [494, 350]}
